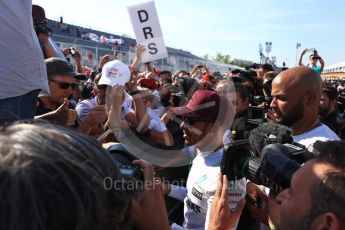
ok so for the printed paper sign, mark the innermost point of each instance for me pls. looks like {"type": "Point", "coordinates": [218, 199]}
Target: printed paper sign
{"type": "Point", "coordinates": [148, 31]}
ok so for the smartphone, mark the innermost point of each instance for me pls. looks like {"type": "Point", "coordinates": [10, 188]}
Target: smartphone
{"type": "Point", "coordinates": [256, 203]}
{"type": "Point", "coordinates": [200, 66]}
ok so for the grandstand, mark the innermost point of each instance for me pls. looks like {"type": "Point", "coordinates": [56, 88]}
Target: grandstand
{"type": "Point", "coordinates": [334, 71]}
{"type": "Point", "coordinates": [67, 35]}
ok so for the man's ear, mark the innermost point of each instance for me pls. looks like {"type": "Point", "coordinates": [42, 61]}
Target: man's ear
{"type": "Point", "coordinates": [310, 98]}
{"type": "Point", "coordinates": [327, 221]}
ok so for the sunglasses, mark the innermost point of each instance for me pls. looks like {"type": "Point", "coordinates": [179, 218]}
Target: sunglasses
{"type": "Point", "coordinates": [65, 85]}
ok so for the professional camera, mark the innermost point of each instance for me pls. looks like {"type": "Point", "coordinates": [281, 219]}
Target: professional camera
{"type": "Point", "coordinates": [41, 27]}
{"type": "Point", "coordinates": [262, 99]}
{"type": "Point", "coordinates": [274, 169]}
{"type": "Point", "coordinates": [256, 115]}
{"type": "Point", "coordinates": [123, 160]}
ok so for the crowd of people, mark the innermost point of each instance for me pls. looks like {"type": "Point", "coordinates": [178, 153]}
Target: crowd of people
{"type": "Point", "coordinates": [102, 151]}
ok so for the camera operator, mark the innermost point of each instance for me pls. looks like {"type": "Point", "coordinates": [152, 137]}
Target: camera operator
{"type": "Point", "coordinates": [314, 199]}
{"type": "Point", "coordinates": [313, 59]}
{"type": "Point", "coordinates": [328, 113]}
{"type": "Point", "coordinates": [296, 95]}
{"type": "Point", "coordinates": [24, 75]}
{"type": "Point", "coordinates": [318, 201]}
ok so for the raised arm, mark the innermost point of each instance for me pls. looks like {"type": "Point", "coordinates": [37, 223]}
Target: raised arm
{"type": "Point", "coordinates": [139, 50]}
{"type": "Point", "coordinates": [322, 62]}
{"type": "Point", "coordinates": [301, 57]}
{"type": "Point", "coordinates": [48, 50]}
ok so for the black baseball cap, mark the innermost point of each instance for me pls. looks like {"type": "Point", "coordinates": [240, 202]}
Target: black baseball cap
{"type": "Point", "coordinates": [58, 66]}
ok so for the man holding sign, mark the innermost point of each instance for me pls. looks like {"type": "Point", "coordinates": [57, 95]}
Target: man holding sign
{"type": "Point", "coordinates": [147, 31]}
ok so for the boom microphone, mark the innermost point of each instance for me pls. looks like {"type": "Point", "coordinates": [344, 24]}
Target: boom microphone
{"type": "Point", "coordinates": [269, 133]}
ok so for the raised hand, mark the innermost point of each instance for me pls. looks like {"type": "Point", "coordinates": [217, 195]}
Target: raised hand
{"type": "Point", "coordinates": [222, 217]}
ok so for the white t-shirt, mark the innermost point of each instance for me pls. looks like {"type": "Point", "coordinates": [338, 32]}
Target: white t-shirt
{"type": "Point", "coordinates": [321, 133]}
{"type": "Point", "coordinates": [155, 122]}
{"type": "Point", "coordinates": [201, 187]}
{"type": "Point", "coordinates": [160, 110]}
{"type": "Point", "coordinates": [22, 67]}
{"type": "Point", "coordinates": [83, 108]}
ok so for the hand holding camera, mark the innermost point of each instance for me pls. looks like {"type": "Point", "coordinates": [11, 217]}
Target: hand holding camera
{"type": "Point", "coordinates": [151, 198]}
{"type": "Point", "coordinates": [72, 51]}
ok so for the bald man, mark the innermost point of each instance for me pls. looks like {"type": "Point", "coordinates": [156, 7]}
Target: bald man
{"type": "Point", "coordinates": [296, 95]}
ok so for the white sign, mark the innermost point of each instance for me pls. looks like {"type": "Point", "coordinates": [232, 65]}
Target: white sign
{"type": "Point", "coordinates": [148, 31]}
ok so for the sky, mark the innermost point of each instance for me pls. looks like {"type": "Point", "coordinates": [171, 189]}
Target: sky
{"type": "Point", "coordinates": [229, 27]}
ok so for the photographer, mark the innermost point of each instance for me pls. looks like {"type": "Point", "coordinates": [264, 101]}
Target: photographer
{"type": "Point", "coordinates": [312, 203]}
{"type": "Point", "coordinates": [43, 32]}
{"type": "Point", "coordinates": [77, 58]}
{"type": "Point", "coordinates": [313, 60]}
{"type": "Point", "coordinates": [199, 71]}
{"type": "Point", "coordinates": [24, 76]}
{"type": "Point", "coordinates": [318, 201]}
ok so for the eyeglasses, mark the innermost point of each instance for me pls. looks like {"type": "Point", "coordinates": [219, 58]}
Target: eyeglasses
{"type": "Point", "coordinates": [64, 85]}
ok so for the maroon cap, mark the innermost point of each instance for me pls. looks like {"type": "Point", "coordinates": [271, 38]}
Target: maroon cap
{"type": "Point", "coordinates": [148, 83]}
{"type": "Point", "coordinates": [204, 105]}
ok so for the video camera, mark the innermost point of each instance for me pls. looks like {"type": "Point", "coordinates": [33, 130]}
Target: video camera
{"type": "Point", "coordinates": [256, 115]}
{"type": "Point", "coordinates": [262, 99]}
{"type": "Point", "coordinates": [274, 169]}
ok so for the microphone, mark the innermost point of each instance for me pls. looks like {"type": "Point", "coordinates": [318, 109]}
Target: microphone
{"type": "Point", "coordinates": [269, 133]}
